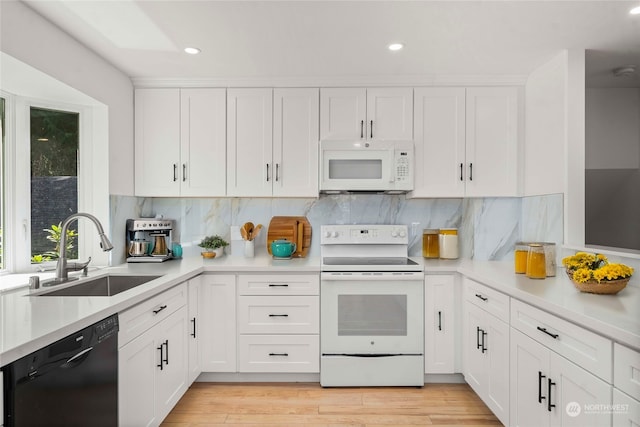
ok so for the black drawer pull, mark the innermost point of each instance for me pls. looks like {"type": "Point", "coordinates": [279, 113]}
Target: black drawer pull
{"type": "Point", "coordinates": [540, 396]}
{"type": "Point", "coordinates": [439, 320]}
{"type": "Point", "coordinates": [166, 351]}
{"type": "Point", "coordinates": [193, 334]}
{"type": "Point", "coordinates": [361, 129]}
{"type": "Point", "coordinates": [162, 307]}
{"type": "Point", "coordinates": [279, 354]}
{"type": "Point", "coordinates": [484, 348]}
{"type": "Point", "coordinates": [554, 336]}
{"type": "Point", "coordinates": [470, 171]}
{"type": "Point", "coordinates": [481, 297]}
{"type": "Point", "coordinates": [278, 315]}
{"type": "Point", "coordinates": [461, 179]}
{"type": "Point", "coordinates": [273, 285]}
{"type": "Point", "coordinates": [478, 330]}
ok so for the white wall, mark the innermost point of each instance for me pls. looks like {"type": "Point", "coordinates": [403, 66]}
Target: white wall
{"type": "Point", "coordinates": [545, 127]}
{"type": "Point", "coordinates": [28, 37]}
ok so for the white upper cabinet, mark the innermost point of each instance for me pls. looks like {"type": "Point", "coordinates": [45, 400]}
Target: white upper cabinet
{"type": "Point", "coordinates": [466, 142]}
{"type": "Point", "coordinates": [249, 142]}
{"type": "Point", "coordinates": [295, 142]}
{"type": "Point", "coordinates": [180, 142]}
{"type": "Point", "coordinates": [439, 130]}
{"type": "Point", "coordinates": [372, 114]}
{"type": "Point", "coordinates": [272, 142]}
{"type": "Point", "coordinates": [492, 142]}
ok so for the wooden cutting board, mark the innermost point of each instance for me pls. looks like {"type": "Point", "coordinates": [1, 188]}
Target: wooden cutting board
{"type": "Point", "coordinates": [296, 229]}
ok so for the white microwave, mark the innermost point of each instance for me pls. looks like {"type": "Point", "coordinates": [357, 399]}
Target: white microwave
{"type": "Point", "coordinates": [366, 166]}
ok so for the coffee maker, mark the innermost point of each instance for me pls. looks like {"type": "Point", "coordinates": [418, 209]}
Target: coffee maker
{"type": "Point", "coordinates": [149, 239]}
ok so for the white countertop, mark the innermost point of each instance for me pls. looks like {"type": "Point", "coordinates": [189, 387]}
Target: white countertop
{"type": "Point", "coordinates": [28, 323]}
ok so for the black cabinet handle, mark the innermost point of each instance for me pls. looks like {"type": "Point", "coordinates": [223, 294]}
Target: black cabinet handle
{"type": "Point", "coordinates": [175, 171]}
{"type": "Point", "coordinates": [361, 129]}
{"type": "Point", "coordinates": [277, 168]}
{"type": "Point", "coordinates": [267, 172]}
{"type": "Point", "coordinates": [478, 337]}
{"type": "Point", "coordinates": [481, 297]}
{"type": "Point", "coordinates": [162, 307]}
{"type": "Point", "coordinates": [470, 171]}
{"type": "Point", "coordinates": [484, 348]}
{"type": "Point", "coordinates": [161, 365]}
{"type": "Point", "coordinates": [193, 334]}
{"type": "Point", "coordinates": [184, 172]}
{"type": "Point", "coordinates": [166, 351]}
{"type": "Point", "coordinates": [540, 396]}
{"type": "Point", "coordinates": [439, 320]}
{"type": "Point", "coordinates": [554, 336]}
{"type": "Point", "coordinates": [461, 169]}
{"type": "Point", "coordinates": [273, 285]}
{"type": "Point", "coordinates": [371, 129]}
{"type": "Point", "coordinates": [279, 354]}
{"type": "Point", "coordinates": [278, 315]}
{"type": "Point", "coordinates": [549, 404]}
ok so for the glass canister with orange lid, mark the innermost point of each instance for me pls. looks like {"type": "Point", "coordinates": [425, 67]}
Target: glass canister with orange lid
{"type": "Point", "coordinates": [430, 244]}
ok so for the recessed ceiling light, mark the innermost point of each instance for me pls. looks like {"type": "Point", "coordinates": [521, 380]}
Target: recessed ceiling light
{"type": "Point", "coordinates": [192, 50]}
{"type": "Point", "coordinates": [635, 10]}
{"type": "Point", "coordinates": [395, 46]}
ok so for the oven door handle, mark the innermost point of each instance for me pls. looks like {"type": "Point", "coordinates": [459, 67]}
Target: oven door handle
{"type": "Point", "coordinates": [378, 276]}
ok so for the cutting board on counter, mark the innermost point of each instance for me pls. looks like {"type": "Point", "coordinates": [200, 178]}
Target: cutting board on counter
{"type": "Point", "coordinates": [296, 229]}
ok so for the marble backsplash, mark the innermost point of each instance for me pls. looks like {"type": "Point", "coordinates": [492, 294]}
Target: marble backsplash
{"type": "Point", "coordinates": [488, 227]}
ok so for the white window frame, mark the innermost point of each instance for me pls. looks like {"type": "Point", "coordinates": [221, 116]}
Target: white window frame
{"type": "Point", "coordinates": [17, 238]}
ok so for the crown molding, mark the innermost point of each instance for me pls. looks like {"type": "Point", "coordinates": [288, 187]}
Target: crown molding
{"type": "Point", "coordinates": [336, 81]}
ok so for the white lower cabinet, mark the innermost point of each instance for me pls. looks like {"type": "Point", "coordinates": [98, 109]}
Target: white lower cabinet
{"type": "Point", "coordinates": [278, 323]}
{"type": "Point", "coordinates": [216, 323]}
{"type": "Point", "coordinates": [439, 324]}
{"type": "Point", "coordinates": [152, 371]}
{"type": "Point", "coordinates": [548, 389]}
{"type": "Point", "coordinates": [626, 410]}
{"type": "Point", "coordinates": [486, 358]}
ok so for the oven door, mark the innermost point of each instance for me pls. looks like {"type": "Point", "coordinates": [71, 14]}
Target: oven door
{"type": "Point", "coordinates": [372, 313]}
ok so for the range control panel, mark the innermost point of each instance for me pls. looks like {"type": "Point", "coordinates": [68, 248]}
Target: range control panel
{"type": "Point", "coordinates": [359, 234]}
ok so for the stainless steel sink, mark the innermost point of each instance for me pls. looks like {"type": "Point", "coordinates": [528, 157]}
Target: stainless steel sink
{"type": "Point", "coordinates": [104, 286]}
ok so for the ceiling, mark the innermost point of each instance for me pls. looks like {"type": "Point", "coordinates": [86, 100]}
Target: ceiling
{"type": "Point", "coordinates": [307, 40]}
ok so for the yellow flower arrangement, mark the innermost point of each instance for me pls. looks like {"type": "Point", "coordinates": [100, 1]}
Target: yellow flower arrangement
{"type": "Point", "coordinates": [586, 266]}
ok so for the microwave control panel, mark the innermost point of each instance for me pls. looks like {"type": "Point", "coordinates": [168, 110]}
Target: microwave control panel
{"type": "Point", "coordinates": [403, 166]}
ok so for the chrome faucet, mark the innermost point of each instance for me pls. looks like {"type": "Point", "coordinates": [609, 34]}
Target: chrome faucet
{"type": "Point", "coordinates": [63, 267]}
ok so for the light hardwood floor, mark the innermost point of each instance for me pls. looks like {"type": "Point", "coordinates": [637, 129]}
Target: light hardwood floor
{"type": "Point", "coordinates": [298, 404]}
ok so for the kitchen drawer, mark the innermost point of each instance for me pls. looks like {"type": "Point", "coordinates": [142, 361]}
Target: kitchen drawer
{"type": "Point", "coordinates": [141, 317]}
{"type": "Point", "coordinates": [279, 353]}
{"type": "Point", "coordinates": [626, 410]}
{"type": "Point", "coordinates": [278, 314]}
{"type": "Point", "coordinates": [279, 284]}
{"type": "Point", "coordinates": [584, 348]}
{"type": "Point", "coordinates": [490, 300]}
{"type": "Point", "coordinates": [626, 370]}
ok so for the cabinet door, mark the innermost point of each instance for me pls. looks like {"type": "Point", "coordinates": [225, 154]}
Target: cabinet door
{"type": "Point", "coordinates": [474, 358]}
{"type": "Point", "coordinates": [573, 389]}
{"type": "Point", "coordinates": [171, 381]}
{"type": "Point", "coordinates": [496, 343]}
{"type": "Point", "coordinates": [218, 323]}
{"type": "Point", "coordinates": [529, 376]}
{"type": "Point", "coordinates": [389, 114]}
{"type": "Point", "coordinates": [492, 141]}
{"type": "Point", "coordinates": [157, 142]}
{"type": "Point", "coordinates": [137, 365]}
{"type": "Point", "coordinates": [439, 131]}
{"type": "Point", "coordinates": [343, 113]}
{"type": "Point", "coordinates": [295, 142]}
{"type": "Point", "coordinates": [193, 336]}
{"type": "Point", "coordinates": [626, 410]}
{"type": "Point", "coordinates": [202, 141]}
{"type": "Point", "coordinates": [249, 142]}
{"type": "Point", "coordinates": [439, 324]}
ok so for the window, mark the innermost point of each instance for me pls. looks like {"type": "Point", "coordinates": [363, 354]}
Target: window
{"type": "Point", "coordinates": [54, 153]}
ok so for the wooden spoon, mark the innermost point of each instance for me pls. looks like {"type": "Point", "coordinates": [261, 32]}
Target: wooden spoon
{"type": "Point", "coordinates": [248, 228]}
{"type": "Point", "coordinates": [256, 231]}
{"type": "Point", "coordinates": [243, 233]}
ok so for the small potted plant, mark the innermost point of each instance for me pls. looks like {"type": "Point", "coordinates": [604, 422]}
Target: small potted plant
{"type": "Point", "coordinates": [213, 246]}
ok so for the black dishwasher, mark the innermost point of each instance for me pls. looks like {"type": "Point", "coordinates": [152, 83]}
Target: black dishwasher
{"type": "Point", "coordinates": [72, 382]}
